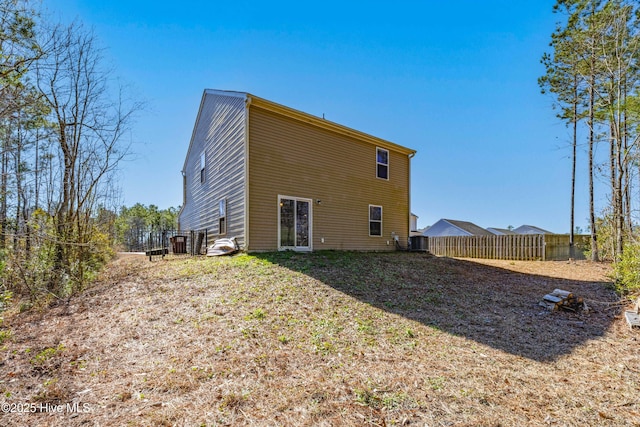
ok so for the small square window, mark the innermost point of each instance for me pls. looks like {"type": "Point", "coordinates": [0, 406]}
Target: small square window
{"type": "Point", "coordinates": [382, 163]}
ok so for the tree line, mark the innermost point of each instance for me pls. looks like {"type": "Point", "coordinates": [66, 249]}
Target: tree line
{"type": "Point", "coordinates": [65, 122]}
{"type": "Point", "coordinates": [133, 225]}
{"type": "Point", "coordinates": [593, 72]}
{"type": "Point", "coordinates": [64, 129]}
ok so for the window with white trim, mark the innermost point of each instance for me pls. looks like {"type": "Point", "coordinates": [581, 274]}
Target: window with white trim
{"type": "Point", "coordinates": [202, 164]}
{"type": "Point", "coordinates": [375, 220]}
{"type": "Point", "coordinates": [222, 216]}
{"type": "Point", "coordinates": [382, 163]}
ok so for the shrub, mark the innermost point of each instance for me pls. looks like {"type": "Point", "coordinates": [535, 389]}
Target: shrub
{"type": "Point", "coordinates": [627, 270]}
{"type": "Point", "coordinates": [41, 265]}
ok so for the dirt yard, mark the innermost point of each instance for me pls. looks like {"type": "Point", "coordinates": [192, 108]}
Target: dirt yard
{"type": "Point", "coordinates": [323, 339]}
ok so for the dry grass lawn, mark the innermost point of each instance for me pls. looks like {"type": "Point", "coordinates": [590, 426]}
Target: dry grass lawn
{"type": "Point", "coordinates": [323, 339]}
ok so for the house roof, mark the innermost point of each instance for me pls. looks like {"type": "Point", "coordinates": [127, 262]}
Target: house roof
{"type": "Point", "coordinates": [265, 104]}
{"type": "Point", "coordinates": [531, 229]}
{"type": "Point", "coordinates": [255, 101]}
{"type": "Point", "coordinates": [451, 227]}
{"type": "Point", "coordinates": [500, 231]}
{"type": "Point", "coordinates": [470, 227]}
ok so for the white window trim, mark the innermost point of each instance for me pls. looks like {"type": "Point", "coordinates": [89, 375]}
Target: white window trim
{"type": "Point", "coordinates": [296, 248]}
{"type": "Point", "coordinates": [384, 164]}
{"type": "Point", "coordinates": [375, 220]}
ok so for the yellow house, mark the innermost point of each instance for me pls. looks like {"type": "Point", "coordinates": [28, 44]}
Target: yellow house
{"type": "Point", "coordinates": [280, 179]}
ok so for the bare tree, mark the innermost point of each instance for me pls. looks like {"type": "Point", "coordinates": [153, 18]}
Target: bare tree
{"type": "Point", "coordinates": [91, 122]}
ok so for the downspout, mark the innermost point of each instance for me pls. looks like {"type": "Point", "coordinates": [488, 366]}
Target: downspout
{"type": "Point", "coordinates": [410, 156]}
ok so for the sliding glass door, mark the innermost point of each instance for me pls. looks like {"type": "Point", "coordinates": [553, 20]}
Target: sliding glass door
{"type": "Point", "coordinates": [294, 227]}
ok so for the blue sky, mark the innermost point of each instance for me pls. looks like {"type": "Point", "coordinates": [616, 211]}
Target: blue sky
{"type": "Point", "coordinates": [454, 80]}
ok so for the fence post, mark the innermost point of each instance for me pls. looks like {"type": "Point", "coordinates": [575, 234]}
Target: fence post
{"type": "Point", "coordinates": [164, 241]}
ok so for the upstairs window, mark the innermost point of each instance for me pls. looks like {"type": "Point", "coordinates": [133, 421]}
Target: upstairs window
{"type": "Point", "coordinates": [375, 220]}
{"type": "Point", "coordinates": [202, 163]}
{"type": "Point", "coordinates": [382, 163]}
{"type": "Point", "coordinates": [222, 217]}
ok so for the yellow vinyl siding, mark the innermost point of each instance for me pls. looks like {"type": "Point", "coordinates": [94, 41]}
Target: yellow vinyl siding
{"type": "Point", "coordinates": [295, 158]}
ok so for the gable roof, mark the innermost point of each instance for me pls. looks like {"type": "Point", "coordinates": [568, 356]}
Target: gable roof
{"type": "Point", "coordinates": [531, 229]}
{"type": "Point", "coordinates": [500, 231]}
{"type": "Point", "coordinates": [255, 101]}
{"type": "Point", "coordinates": [206, 92]}
{"type": "Point", "coordinates": [451, 227]}
{"type": "Point", "coordinates": [470, 227]}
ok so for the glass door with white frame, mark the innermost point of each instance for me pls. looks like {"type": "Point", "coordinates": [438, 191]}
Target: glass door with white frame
{"type": "Point", "coordinates": [294, 228]}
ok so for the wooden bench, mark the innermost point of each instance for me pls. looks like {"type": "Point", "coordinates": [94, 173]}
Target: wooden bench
{"type": "Point", "coordinates": [633, 316]}
{"type": "Point", "coordinates": [157, 252]}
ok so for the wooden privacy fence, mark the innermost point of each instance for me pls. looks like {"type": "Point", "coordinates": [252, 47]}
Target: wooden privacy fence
{"type": "Point", "coordinates": [523, 247]}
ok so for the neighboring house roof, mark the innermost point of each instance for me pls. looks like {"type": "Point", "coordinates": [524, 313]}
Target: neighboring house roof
{"type": "Point", "coordinates": [531, 229]}
{"type": "Point", "coordinates": [450, 227]}
{"type": "Point", "coordinates": [418, 232]}
{"type": "Point", "coordinates": [500, 231]}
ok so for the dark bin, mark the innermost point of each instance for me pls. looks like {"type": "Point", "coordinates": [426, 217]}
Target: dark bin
{"type": "Point", "coordinates": [179, 244]}
{"type": "Point", "coordinates": [419, 243]}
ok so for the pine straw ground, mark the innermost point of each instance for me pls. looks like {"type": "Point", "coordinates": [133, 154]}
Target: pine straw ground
{"type": "Point", "coordinates": [326, 339]}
